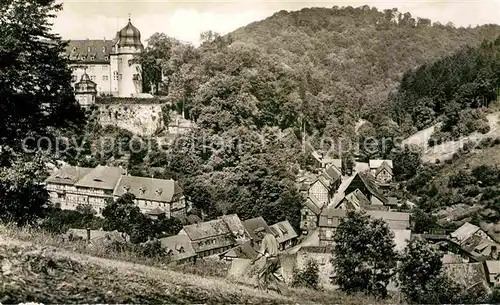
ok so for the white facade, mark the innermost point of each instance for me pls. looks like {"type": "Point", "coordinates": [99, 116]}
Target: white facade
{"type": "Point", "coordinates": [109, 63]}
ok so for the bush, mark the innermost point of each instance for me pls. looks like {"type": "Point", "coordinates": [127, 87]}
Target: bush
{"type": "Point", "coordinates": [461, 178]}
{"type": "Point", "coordinates": [151, 249]}
{"type": "Point", "coordinates": [308, 277]}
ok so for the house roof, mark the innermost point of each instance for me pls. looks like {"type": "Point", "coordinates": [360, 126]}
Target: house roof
{"type": "Point", "coordinates": [174, 244]}
{"type": "Point", "coordinates": [466, 274]}
{"type": "Point", "coordinates": [355, 198]}
{"type": "Point", "coordinates": [332, 174]}
{"type": "Point", "coordinates": [148, 188]}
{"type": "Point", "coordinates": [283, 231]}
{"type": "Point", "coordinates": [493, 266]}
{"type": "Point", "coordinates": [395, 220]}
{"type": "Point", "coordinates": [361, 167]}
{"type": "Point", "coordinates": [68, 175]}
{"type": "Point", "coordinates": [100, 49]}
{"type": "Point", "coordinates": [206, 229]}
{"type": "Point", "coordinates": [378, 162]}
{"type": "Point", "coordinates": [314, 204]}
{"type": "Point", "coordinates": [369, 182]}
{"type": "Point", "coordinates": [384, 166]}
{"type": "Point", "coordinates": [244, 250]}
{"type": "Point", "coordinates": [335, 162]}
{"type": "Point", "coordinates": [101, 177]}
{"type": "Point", "coordinates": [254, 223]}
{"type": "Point", "coordinates": [235, 225]}
{"type": "Point", "coordinates": [464, 232]}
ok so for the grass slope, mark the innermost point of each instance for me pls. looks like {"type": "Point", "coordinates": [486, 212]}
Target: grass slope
{"type": "Point", "coordinates": [55, 275]}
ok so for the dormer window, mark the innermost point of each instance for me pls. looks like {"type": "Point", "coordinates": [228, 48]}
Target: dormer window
{"type": "Point", "coordinates": [83, 57]}
{"type": "Point", "coordinates": [97, 180]}
{"type": "Point", "coordinates": [126, 188]}
{"type": "Point", "coordinates": [142, 190]}
{"type": "Point", "coordinates": [106, 58]}
{"type": "Point", "coordinates": [104, 49]}
{"type": "Point", "coordinates": [74, 49]}
{"type": "Point", "coordinates": [159, 192]}
{"type": "Point", "coordinates": [92, 58]}
{"type": "Point", "coordinates": [88, 49]}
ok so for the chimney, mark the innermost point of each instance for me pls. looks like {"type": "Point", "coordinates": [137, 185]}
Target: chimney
{"type": "Point", "coordinates": [494, 252]}
{"type": "Point", "coordinates": [88, 235]}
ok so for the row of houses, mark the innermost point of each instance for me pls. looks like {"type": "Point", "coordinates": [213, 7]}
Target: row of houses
{"type": "Point", "coordinates": [226, 237]}
{"type": "Point", "coordinates": [73, 186]}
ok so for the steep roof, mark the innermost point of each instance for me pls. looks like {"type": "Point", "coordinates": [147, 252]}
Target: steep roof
{"type": "Point", "coordinates": [283, 231]}
{"type": "Point", "coordinates": [493, 266]}
{"type": "Point", "coordinates": [369, 182]}
{"type": "Point", "coordinates": [335, 162]}
{"type": "Point", "coordinates": [206, 229]}
{"type": "Point", "coordinates": [148, 188]}
{"type": "Point", "coordinates": [235, 225]}
{"type": "Point", "coordinates": [68, 175]}
{"type": "Point", "coordinates": [384, 166]}
{"type": "Point", "coordinates": [254, 223]}
{"type": "Point", "coordinates": [101, 177]}
{"type": "Point", "coordinates": [355, 198]}
{"type": "Point", "coordinates": [100, 50]}
{"type": "Point", "coordinates": [179, 246]}
{"type": "Point", "coordinates": [313, 204]}
{"type": "Point", "coordinates": [378, 162]}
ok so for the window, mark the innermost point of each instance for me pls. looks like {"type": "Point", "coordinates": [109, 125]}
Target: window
{"type": "Point", "coordinates": [330, 221]}
{"type": "Point", "coordinates": [104, 49]}
{"type": "Point", "coordinates": [88, 49]}
{"type": "Point", "coordinates": [74, 49]}
{"type": "Point", "coordinates": [120, 77]}
{"type": "Point", "coordinates": [104, 77]}
{"type": "Point", "coordinates": [92, 58]}
{"type": "Point", "coordinates": [104, 67]}
{"type": "Point", "coordinates": [73, 78]}
{"type": "Point", "coordinates": [92, 77]}
{"type": "Point", "coordinates": [115, 75]}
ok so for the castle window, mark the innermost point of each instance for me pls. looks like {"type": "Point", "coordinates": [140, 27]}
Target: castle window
{"type": "Point", "coordinates": [115, 75]}
{"type": "Point", "coordinates": [92, 77]}
{"type": "Point", "coordinates": [104, 77]}
{"type": "Point", "coordinates": [104, 67]}
{"type": "Point", "coordinates": [120, 77]}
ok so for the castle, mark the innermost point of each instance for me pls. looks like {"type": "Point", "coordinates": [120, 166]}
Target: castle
{"type": "Point", "coordinates": [108, 64]}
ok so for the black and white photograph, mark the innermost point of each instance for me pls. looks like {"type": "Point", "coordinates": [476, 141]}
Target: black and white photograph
{"type": "Point", "coordinates": [249, 152]}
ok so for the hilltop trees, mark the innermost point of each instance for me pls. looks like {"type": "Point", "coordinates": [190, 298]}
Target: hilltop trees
{"type": "Point", "coordinates": [364, 255]}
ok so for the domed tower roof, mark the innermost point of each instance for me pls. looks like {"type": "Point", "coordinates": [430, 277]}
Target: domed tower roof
{"type": "Point", "coordinates": [85, 85]}
{"type": "Point", "coordinates": [129, 36]}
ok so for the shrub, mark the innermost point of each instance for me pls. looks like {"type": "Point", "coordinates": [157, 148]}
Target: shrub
{"type": "Point", "coordinates": [150, 248]}
{"type": "Point", "coordinates": [308, 277]}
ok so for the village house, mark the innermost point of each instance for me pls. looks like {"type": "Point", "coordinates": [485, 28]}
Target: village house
{"type": "Point", "coordinates": [285, 234]}
{"type": "Point", "coordinates": [61, 186]}
{"type": "Point", "coordinates": [318, 190]}
{"type": "Point", "coordinates": [398, 222]}
{"type": "Point", "coordinates": [475, 241]}
{"type": "Point", "coordinates": [209, 238]}
{"type": "Point", "coordinates": [235, 225]}
{"type": "Point", "coordinates": [251, 225]}
{"type": "Point", "coordinates": [382, 170]}
{"type": "Point", "coordinates": [493, 272]}
{"type": "Point", "coordinates": [179, 249]}
{"type": "Point", "coordinates": [153, 196]}
{"type": "Point", "coordinates": [365, 182]}
{"type": "Point", "coordinates": [97, 186]}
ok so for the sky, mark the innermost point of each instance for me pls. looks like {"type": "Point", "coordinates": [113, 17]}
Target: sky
{"type": "Point", "coordinates": [186, 19]}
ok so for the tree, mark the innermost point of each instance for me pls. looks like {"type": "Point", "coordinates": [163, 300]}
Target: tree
{"type": "Point", "coordinates": [406, 162]}
{"type": "Point", "coordinates": [423, 222]}
{"type": "Point", "coordinates": [308, 277]}
{"type": "Point", "coordinates": [35, 82]}
{"type": "Point", "coordinates": [23, 198]}
{"type": "Point", "coordinates": [125, 216]}
{"type": "Point", "coordinates": [364, 256]}
{"type": "Point", "coordinates": [423, 282]}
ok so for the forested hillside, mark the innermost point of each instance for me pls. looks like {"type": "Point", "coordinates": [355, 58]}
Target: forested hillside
{"type": "Point", "coordinates": [316, 69]}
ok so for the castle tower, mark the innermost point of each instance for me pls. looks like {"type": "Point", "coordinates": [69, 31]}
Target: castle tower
{"type": "Point", "coordinates": [126, 77]}
{"type": "Point", "coordinates": [85, 90]}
